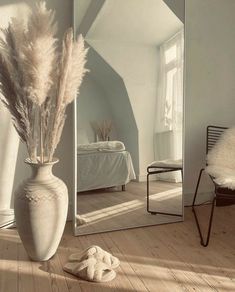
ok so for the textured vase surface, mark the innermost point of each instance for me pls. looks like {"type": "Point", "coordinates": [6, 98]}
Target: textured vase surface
{"type": "Point", "coordinates": [41, 206]}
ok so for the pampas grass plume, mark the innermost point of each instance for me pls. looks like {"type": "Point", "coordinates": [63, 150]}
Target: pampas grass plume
{"type": "Point", "coordinates": [33, 89]}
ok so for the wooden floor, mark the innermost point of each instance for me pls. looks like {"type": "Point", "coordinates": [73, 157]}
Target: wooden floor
{"type": "Point", "coordinates": [112, 209]}
{"type": "Point", "coordinates": [160, 258]}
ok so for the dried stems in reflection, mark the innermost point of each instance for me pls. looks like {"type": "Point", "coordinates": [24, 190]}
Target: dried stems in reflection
{"type": "Point", "coordinates": [103, 129]}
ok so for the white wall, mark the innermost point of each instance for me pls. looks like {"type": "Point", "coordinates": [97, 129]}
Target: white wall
{"type": "Point", "coordinates": [13, 169]}
{"type": "Point", "coordinates": [210, 79]}
{"type": "Point", "coordinates": [92, 106]}
{"type": "Point", "coordinates": [137, 65]}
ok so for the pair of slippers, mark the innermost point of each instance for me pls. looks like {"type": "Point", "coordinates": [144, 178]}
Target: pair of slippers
{"type": "Point", "coordinates": [94, 264]}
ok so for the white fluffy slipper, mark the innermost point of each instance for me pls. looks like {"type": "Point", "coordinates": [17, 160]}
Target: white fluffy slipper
{"type": "Point", "coordinates": [99, 254]}
{"type": "Point", "coordinates": [90, 270]}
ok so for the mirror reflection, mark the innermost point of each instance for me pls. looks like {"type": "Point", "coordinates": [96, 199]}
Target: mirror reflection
{"type": "Point", "coordinates": [129, 115]}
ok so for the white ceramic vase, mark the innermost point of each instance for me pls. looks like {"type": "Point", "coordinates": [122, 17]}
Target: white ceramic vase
{"type": "Point", "coordinates": [41, 206]}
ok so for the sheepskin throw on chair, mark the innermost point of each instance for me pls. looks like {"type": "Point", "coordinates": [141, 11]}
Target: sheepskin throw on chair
{"type": "Point", "coordinates": [221, 160]}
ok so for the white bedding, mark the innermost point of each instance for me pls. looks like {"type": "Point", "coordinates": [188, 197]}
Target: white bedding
{"type": "Point", "coordinates": [101, 146]}
{"type": "Point", "coordinates": [103, 169]}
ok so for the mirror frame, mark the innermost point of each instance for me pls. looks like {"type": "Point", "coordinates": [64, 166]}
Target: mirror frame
{"type": "Point", "coordinates": [74, 200]}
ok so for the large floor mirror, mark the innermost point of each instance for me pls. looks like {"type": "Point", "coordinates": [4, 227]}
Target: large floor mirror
{"type": "Point", "coordinates": [129, 113]}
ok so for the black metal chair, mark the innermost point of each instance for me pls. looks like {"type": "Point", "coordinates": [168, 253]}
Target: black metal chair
{"type": "Point", "coordinates": [162, 167]}
{"type": "Point", "coordinates": [222, 196]}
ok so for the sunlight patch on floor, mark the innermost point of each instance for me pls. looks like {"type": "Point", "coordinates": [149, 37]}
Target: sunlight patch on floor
{"type": "Point", "coordinates": [162, 196]}
{"type": "Point", "coordinates": [127, 207]}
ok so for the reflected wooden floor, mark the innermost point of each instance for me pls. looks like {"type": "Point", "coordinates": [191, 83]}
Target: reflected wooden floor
{"type": "Point", "coordinates": [164, 258]}
{"type": "Point", "coordinates": [112, 209]}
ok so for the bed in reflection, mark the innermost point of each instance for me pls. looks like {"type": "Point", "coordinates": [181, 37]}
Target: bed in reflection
{"type": "Point", "coordinates": [103, 165]}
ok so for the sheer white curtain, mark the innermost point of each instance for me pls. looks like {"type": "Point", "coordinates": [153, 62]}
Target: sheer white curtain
{"type": "Point", "coordinates": [169, 111]}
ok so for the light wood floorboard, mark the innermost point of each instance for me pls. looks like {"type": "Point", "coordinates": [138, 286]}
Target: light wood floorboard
{"type": "Point", "coordinates": [160, 258]}
{"type": "Point", "coordinates": [112, 209]}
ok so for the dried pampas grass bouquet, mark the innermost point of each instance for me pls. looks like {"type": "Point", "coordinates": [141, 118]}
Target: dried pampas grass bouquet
{"type": "Point", "coordinates": [39, 78]}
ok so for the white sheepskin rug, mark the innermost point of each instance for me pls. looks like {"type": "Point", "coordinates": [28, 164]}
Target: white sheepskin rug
{"type": "Point", "coordinates": [221, 160]}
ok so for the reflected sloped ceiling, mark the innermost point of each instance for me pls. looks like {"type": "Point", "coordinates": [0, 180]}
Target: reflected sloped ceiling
{"type": "Point", "coordinates": [118, 99]}
{"type": "Point", "coordinates": [134, 21]}
{"type": "Point", "coordinates": [178, 7]}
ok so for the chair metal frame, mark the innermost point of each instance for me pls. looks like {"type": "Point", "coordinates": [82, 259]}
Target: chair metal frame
{"type": "Point", "coordinates": [153, 170]}
{"type": "Point", "coordinates": [220, 194]}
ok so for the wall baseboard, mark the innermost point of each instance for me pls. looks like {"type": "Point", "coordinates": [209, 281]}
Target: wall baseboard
{"type": "Point", "coordinates": [7, 217]}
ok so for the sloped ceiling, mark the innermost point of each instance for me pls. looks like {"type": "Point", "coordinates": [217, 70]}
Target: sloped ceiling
{"type": "Point", "coordinates": [147, 22]}
{"type": "Point", "coordinates": [178, 7]}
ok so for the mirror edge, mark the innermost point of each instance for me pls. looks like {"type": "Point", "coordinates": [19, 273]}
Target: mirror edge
{"type": "Point", "coordinates": [74, 200]}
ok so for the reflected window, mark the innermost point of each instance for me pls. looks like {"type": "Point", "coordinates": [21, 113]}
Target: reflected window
{"type": "Point", "coordinates": [169, 111]}
{"type": "Point", "coordinates": [170, 54]}
{"type": "Point", "coordinates": [170, 85]}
